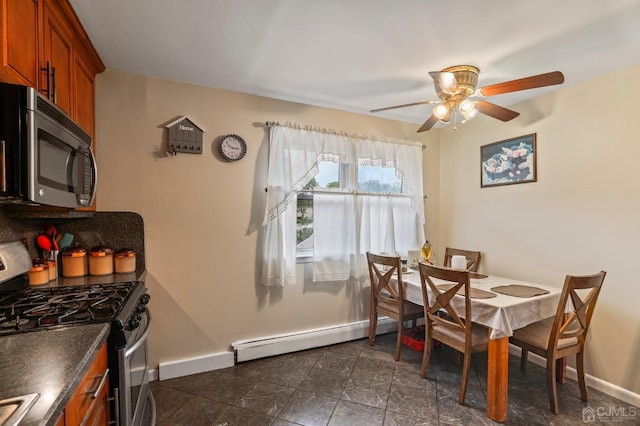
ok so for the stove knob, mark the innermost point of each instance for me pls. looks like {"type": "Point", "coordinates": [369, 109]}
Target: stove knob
{"type": "Point", "coordinates": [144, 299]}
{"type": "Point", "coordinates": [133, 323]}
{"type": "Point", "coordinates": [140, 308]}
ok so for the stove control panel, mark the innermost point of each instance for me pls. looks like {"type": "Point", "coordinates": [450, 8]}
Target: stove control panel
{"type": "Point", "coordinates": [141, 307]}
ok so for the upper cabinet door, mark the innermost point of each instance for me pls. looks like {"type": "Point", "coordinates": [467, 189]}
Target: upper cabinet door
{"type": "Point", "coordinates": [84, 96]}
{"type": "Point", "coordinates": [19, 42]}
{"type": "Point", "coordinates": [57, 57]}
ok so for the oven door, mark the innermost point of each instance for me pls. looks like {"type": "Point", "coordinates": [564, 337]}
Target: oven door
{"type": "Point", "coordinates": [134, 375]}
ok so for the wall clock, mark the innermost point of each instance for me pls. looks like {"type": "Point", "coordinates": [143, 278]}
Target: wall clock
{"type": "Point", "coordinates": [233, 147]}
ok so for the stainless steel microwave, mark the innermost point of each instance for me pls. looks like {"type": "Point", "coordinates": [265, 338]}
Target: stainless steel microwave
{"type": "Point", "coordinates": [45, 157]}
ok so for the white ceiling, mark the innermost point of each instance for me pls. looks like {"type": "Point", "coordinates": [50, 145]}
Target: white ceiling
{"type": "Point", "coordinates": [356, 55]}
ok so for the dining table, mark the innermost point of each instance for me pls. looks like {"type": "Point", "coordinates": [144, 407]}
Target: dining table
{"type": "Point", "coordinates": [502, 305]}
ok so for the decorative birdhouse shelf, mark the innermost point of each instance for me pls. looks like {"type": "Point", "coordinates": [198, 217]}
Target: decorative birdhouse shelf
{"type": "Point", "coordinates": [185, 136]}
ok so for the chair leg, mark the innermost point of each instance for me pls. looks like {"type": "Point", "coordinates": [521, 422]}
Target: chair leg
{"type": "Point", "coordinates": [524, 355]}
{"type": "Point", "coordinates": [426, 354]}
{"type": "Point", "coordinates": [466, 365]}
{"type": "Point", "coordinates": [580, 371]}
{"type": "Point", "coordinates": [551, 385]}
{"type": "Point", "coordinates": [373, 325]}
{"type": "Point", "coordinates": [399, 339]}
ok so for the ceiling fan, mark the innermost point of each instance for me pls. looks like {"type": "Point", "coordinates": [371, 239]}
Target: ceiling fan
{"type": "Point", "coordinates": [456, 88]}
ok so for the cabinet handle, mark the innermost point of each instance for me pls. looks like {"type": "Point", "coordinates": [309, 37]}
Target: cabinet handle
{"type": "Point", "coordinates": [47, 69]}
{"type": "Point", "coordinates": [54, 94]}
{"type": "Point", "coordinates": [97, 390]}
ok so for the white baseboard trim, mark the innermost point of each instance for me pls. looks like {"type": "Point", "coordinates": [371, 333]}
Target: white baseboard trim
{"type": "Point", "coordinates": [153, 374]}
{"type": "Point", "coordinates": [200, 364]}
{"type": "Point", "coordinates": [284, 343]}
{"type": "Point", "coordinates": [594, 382]}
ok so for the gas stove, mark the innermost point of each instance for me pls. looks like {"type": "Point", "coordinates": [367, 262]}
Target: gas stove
{"type": "Point", "coordinates": [33, 309]}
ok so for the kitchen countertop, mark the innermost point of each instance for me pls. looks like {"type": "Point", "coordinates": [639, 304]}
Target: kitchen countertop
{"type": "Point", "coordinates": [138, 275]}
{"type": "Point", "coordinates": [50, 362]}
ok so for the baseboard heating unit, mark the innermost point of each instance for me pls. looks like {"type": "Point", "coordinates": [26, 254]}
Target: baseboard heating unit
{"type": "Point", "coordinates": [292, 342]}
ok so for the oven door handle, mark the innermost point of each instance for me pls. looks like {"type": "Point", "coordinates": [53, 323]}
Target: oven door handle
{"type": "Point", "coordinates": [141, 340]}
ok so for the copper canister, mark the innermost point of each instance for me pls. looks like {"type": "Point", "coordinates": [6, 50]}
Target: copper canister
{"type": "Point", "coordinates": [53, 269]}
{"type": "Point", "coordinates": [74, 261]}
{"type": "Point", "coordinates": [125, 261]}
{"type": "Point", "coordinates": [101, 260]}
{"type": "Point", "coordinates": [39, 273]}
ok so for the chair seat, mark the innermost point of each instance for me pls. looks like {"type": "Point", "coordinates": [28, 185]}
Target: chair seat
{"type": "Point", "coordinates": [537, 334]}
{"type": "Point", "coordinates": [479, 334]}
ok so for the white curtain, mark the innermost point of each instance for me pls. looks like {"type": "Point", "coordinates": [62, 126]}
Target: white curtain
{"type": "Point", "coordinates": [346, 224]}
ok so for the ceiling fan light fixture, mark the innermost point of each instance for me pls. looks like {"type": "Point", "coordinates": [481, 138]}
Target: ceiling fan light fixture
{"type": "Point", "coordinates": [442, 112]}
{"type": "Point", "coordinates": [468, 109]}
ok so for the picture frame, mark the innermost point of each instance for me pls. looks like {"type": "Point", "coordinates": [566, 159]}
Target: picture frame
{"type": "Point", "coordinates": [509, 162]}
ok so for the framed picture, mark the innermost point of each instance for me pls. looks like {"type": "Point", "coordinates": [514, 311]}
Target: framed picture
{"type": "Point", "coordinates": [508, 162]}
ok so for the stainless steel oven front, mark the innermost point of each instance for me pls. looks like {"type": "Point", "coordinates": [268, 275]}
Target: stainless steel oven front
{"type": "Point", "coordinates": [132, 394]}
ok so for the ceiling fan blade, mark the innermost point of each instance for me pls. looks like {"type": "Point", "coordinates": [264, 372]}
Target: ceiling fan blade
{"type": "Point", "coordinates": [496, 111]}
{"type": "Point", "coordinates": [428, 124]}
{"type": "Point", "coordinates": [446, 81]}
{"type": "Point", "coordinates": [541, 80]}
{"type": "Point", "coordinates": [404, 105]}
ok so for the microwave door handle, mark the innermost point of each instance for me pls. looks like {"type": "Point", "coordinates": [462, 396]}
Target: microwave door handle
{"type": "Point", "coordinates": [3, 166]}
{"type": "Point", "coordinates": [94, 171]}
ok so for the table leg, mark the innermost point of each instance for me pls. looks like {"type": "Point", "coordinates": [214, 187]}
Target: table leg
{"type": "Point", "coordinates": [497, 379]}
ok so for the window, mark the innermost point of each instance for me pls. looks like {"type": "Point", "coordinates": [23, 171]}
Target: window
{"type": "Point", "coordinates": [334, 177]}
{"type": "Point", "coordinates": [338, 196]}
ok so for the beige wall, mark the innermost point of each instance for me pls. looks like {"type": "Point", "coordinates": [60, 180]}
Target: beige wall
{"type": "Point", "coordinates": [580, 217]}
{"type": "Point", "coordinates": [202, 215]}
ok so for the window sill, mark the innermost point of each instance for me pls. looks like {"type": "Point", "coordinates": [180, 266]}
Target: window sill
{"type": "Point", "coordinates": [304, 256]}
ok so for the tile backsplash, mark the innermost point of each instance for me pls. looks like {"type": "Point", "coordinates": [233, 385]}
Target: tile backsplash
{"type": "Point", "coordinates": [116, 229]}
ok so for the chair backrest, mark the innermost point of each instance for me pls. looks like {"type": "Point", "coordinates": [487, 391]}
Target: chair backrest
{"type": "Point", "coordinates": [450, 283]}
{"type": "Point", "coordinates": [473, 257]}
{"type": "Point", "coordinates": [582, 292]}
{"type": "Point", "coordinates": [381, 270]}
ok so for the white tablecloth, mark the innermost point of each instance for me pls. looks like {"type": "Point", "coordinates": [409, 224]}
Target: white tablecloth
{"type": "Point", "coordinates": [502, 313]}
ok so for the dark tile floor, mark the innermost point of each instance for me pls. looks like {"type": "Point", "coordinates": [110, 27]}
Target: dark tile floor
{"type": "Point", "coordinates": [357, 384]}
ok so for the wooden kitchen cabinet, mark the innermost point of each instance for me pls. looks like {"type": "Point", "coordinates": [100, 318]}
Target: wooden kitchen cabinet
{"type": "Point", "coordinates": [71, 62]}
{"type": "Point", "coordinates": [56, 57]}
{"type": "Point", "coordinates": [44, 46]}
{"type": "Point", "coordinates": [19, 41]}
{"type": "Point", "coordinates": [83, 408]}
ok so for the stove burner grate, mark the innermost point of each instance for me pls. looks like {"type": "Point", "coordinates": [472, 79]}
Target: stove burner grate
{"type": "Point", "coordinates": [33, 308]}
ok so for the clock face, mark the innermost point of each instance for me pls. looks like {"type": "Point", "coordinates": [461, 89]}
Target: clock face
{"type": "Point", "coordinates": [233, 147]}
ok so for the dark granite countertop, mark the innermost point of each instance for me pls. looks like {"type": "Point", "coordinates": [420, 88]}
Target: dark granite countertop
{"type": "Point", "coordinates": [51, 363]}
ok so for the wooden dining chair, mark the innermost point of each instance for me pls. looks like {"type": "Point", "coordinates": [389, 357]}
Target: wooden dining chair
{"type": "Point", "coordinates": [454, 328]}
{"type": "Point", "coordinates": [565, 334]}
{"type": "Point", "coordinates": [473, 258]}
{"type": "Point", "coordinates": [387, 298]}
